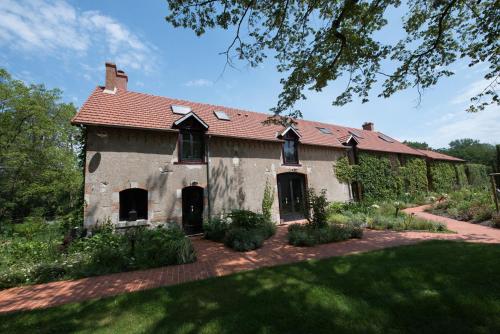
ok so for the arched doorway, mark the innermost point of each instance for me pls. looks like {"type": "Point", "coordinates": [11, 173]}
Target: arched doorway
{"type": "Point", "coordinates": [291, 195]}
{"type": "Point", "coordinates": [133, 204]}
{"type": "Point", "coordinates": [192, 209]}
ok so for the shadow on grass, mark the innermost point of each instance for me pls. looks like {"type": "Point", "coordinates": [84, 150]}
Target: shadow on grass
{"type": "Point", "coordinates": [437, 286]}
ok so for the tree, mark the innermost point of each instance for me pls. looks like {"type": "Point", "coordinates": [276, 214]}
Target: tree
{"type": "Point", "coordinates": [417, 145]}
{"type": "Point", "coordinates": [472, 150]}
{"type": "Point", "coordinates": [317, 41]}
{"type": "Point", "coordinates": [39, 171]}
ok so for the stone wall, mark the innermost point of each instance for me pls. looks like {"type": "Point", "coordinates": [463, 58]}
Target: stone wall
{"type": "Point", "coordinates": [119, 159]}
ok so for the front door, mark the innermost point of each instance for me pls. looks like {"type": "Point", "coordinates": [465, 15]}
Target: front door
{"type": "Point", "coordinates": [192, 209]}
{"type": "Point", "coordinates": [291, 194]}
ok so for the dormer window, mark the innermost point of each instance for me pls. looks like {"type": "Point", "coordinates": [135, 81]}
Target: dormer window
{"type": "Point", "coordinates": [290, 147]}
{"type": "Point", "coordinates": [191, 138]}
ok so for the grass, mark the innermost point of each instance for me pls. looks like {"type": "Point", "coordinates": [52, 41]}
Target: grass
{"type": "Point", "coordinates": [432, 287]}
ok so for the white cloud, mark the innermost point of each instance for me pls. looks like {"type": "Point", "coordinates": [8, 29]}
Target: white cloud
{"type": "Point", "coordinates": [483, 125]}
{"type": "Point", "coordinates": [199, 83]}
{"type": "Point", "coordinates": [472, 90]}
{"type": "Point", "coordinates": [58, 29]}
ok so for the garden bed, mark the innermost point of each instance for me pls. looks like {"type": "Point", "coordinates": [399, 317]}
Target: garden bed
{"type": "Point", "coordinates": [468, 205]}
{"type": "Point", "coordinates": [36, 253]}
{"type": "Point", "coordinates": [241, 230]}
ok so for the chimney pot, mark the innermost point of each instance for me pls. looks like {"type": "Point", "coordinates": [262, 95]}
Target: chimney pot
{"type": "Point", "coordinates": [115, 79]}
{"type": "Point", "coordinates": [368, 126]}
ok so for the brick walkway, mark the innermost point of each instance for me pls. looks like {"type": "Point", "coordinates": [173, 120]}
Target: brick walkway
{"type": "Point", "coordinates": [216, 260]}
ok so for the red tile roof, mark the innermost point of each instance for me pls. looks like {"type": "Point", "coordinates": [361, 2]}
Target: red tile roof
{"type": "Point", "coordinates": [139, 110]}
{"type": "Point", "coordinates": [440, 156]}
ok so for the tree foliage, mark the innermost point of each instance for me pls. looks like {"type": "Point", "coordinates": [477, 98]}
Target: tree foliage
{"type": "Point", "coordinates": [417, 145]}
{"type": "Point", "coordinates": [316, 42]}
{"type": "Point", "coordinates": [39, 170]}
{"type": "Point", "coordinates": [472, 150]}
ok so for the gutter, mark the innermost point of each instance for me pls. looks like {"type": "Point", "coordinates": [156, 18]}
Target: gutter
{"type": "Point", "coordinates": [209, 207]}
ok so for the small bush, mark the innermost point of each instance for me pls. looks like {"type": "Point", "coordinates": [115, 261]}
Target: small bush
{"type": "Point", "coordinates": [481, 213]}
{"type": "Point", "coordinates": [242, 239]}
{"type": "Point", "coordinates": [310, 235]}
{"type": "Point", "coordinates": [495, 221]}
{"type": "Point", "coordinates": [161, 247]}
{"type": "Point", "coordinates": [243, 230]}
{"type": "Point", "coordinates": [215, 229]}
{"type": "Point", "coordinates": [338, 219]}
{"type": "Point", "coordinates": [47, 272]}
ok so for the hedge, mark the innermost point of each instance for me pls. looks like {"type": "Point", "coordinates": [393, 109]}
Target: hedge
{"type": "Point", "coordinates": [414, 176]}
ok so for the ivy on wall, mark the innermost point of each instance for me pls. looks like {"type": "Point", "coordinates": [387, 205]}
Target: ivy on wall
{"type": "Point", "coordinates": [344, 171]}
{"type": "Point", "coordinates": [414, 176]}
{"type": "Point", "coordinates": [444, 177]}
{"type": "Point", "coordinates": [477, 174]}
{"type": "Point", "coordinates": [378, 177]}
{"type": "Point", "coordinates": [461, 175]}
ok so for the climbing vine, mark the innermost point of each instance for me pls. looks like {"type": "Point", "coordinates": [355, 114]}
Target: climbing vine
{"type": "Point", "coordinates": [378, 177]}
{"type": "Point", "coordinates": [414, 176]}
{"type": "Point", "coordinates": [344, 171]}
{"type": "Point", "coordinates": [461, 175]}
{"type": "Point", "coordinates": [267, 200]}
{"type": "Point", "coordinates": [443, 176]}
{"type": "Point", "coordinates": [478, 175]}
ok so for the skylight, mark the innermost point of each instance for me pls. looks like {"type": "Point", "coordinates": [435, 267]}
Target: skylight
{"type": "Point", "coordinates": [181, 110]}
{"type": "Point", "coordinates": [356, 134]}
{"type": "Point", "coordinates": [384, 137]}
{"type": "Point", "coordinates": [221, 115]}
{"type": "Point", "coordinates": [325, 131]}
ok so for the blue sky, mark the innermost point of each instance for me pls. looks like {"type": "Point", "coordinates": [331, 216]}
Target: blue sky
{"type": "Point", "coordinates": [64, 44]}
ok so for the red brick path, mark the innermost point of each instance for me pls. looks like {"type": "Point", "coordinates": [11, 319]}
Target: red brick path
{"type": "Point", "coordinates": [216, 260]}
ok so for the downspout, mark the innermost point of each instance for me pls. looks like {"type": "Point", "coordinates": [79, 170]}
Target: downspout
{"type": "Point", "coordinates": [209, 207]}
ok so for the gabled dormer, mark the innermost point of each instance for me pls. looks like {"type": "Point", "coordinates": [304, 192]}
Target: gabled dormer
{"type": "Point", "coordinates": [291, 139]}
{"type": "Point", "coordinates": [191, 143]}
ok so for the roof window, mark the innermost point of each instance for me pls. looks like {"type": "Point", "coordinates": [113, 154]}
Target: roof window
{"type": "Point", "coordinates": [181, 110]}
{"type": "Point", "coordinates": [325, 131]}
{"type": "Point", "coordinates": [356, 134]}
{"type": "Point", "coordinates": [385, 138]}
{"type": "Point", "coordinates": [221, 115]}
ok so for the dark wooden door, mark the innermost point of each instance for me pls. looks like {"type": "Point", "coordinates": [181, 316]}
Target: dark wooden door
{"type": "Point", "coordinates": [192, 209]}
{"type": "Point", "coordinates": [291, 194]}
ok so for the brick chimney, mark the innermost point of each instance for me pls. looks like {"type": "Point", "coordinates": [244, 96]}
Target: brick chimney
{"type": "Point", "coordinates": [368, 126]}
{"type": "Point", "coordinates": [115, 79]}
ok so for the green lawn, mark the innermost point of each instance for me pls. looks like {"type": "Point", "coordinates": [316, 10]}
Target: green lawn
{"type": "Point", "coordinates": [431, 287]}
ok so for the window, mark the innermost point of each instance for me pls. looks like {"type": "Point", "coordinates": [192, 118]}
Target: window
{"type": "Point", "coordinates": [221, 115]}
{"type": "Point", "coordinates": [133, 204]}
{"type": "Point", "coordinates": [290, 150]}
{"type": "Point", "coordinates": [386, 138]}
{"type": "Point", "coordinates": [180, 110]}
{"type": "Point", "coordinates": [192, 146]}
{"type": "Point", "coordinates": [325, 131]}
{"type": "Point", "coordinates": [356, 134]}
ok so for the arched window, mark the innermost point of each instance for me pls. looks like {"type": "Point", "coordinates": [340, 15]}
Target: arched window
{"type": "Point", "coordinates": [133, 204]}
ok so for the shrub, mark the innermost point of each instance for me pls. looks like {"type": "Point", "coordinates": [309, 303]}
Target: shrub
{"type": "Point", "coordinates": [46, 272]}
{"type": "Point", "coordinates": [245, 230]}
{"type": "Point", "coordinates": [242, 239]}
{"type": "Point", "coordinates": [317, 207]}
{"type": "Point", "coordinates": [215, 229]}
{"type": "Point", "coordinates": [161, 247]}
{"type": "Point", "coordinates": [406, 223]}
{"type": "Point", "coordinates": [246, 219]}
{"type": "Point", "coordinates": [495, 221]}
{"type": "Point", "coordinates": [443, 176]}
{"type": "Point", "coordinates": [310, 235]}
{"type": "Point", "coordinates": [338, 219]}
{"type": "Point", "coordinates": [481, 213]}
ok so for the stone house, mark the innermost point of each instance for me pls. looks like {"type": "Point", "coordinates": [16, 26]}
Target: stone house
{"type": "Point", "coordinates": [152, 159]}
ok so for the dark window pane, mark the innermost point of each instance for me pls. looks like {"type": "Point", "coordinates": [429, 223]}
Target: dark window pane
{"type": "Point", "coordinates": [290, 151]}
{"type": "Point", "coordinates": [192, 146]}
